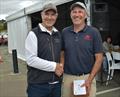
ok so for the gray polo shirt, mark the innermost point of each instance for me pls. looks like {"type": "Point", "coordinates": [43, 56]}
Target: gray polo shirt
{"type": "Point", "coordinates": [80, 49]}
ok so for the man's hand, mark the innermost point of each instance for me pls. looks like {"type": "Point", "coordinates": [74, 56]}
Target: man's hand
{"type": "Point", "coordinates": [59, 69]}
{"type": "Point", "coordinates": [87, 84]}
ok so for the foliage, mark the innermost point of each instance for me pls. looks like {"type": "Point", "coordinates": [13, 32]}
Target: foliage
{"type": "Point", "coordinates": [3, 25]}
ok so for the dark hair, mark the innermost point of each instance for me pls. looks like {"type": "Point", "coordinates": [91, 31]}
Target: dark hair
{"type": "Point", "coordinates": [108, 37]}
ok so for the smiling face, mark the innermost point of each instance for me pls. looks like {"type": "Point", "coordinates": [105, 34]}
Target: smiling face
{"type": "Point", "coordinates": [78, 15]}
{"type": "Point", "coordinates": [49, 18]}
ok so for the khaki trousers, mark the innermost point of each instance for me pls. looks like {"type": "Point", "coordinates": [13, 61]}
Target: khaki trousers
{"type": "Point", "coordinates": [67, 90]}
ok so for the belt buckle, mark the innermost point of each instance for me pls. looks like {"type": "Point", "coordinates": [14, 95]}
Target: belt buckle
{"type": "Point", "coordinates": [55, 82]}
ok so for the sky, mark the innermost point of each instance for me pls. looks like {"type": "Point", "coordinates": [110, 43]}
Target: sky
{"type": "Point", "coordinates": [8, 7]}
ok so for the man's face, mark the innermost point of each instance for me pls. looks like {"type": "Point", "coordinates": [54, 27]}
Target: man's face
{"type": "Point", "coordinates": [78, 15]}
{"type": "Point", "coordinates": [49, 18]}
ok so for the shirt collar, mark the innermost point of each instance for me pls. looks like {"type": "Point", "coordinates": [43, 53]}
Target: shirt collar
{"type": "Point", "coordinates": [45, 30]}
{"type": "Point", "coordinates": [83, 30]}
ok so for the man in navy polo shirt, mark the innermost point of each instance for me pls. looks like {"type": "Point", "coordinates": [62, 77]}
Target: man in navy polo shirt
{"type": "Point", "coordinates": [82, 51]}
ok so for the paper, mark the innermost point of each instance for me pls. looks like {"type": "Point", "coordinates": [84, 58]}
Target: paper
{"type": "Point", "coordinates": [77, 89]}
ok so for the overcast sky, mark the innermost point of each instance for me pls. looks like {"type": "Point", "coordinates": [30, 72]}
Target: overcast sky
{"type": "Point", "coordinates": [8, 7]}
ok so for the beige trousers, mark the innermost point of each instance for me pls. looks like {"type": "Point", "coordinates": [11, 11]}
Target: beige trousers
{"type": "Point", "coordinates": [67, 90]}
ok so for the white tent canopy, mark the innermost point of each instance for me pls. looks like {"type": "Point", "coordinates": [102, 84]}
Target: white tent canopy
{"type": "Point", "coordinates": [34, 8]}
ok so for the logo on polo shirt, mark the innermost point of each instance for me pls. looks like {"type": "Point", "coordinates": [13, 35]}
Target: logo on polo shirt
{"type": "Point", "coordinates": [87, 37]}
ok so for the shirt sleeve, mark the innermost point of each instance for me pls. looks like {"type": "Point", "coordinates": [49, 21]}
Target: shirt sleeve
{"type": "Point", "coordinates": [97, 42]}
{"type": "Point", "coordinates": [62, 40]}
{"type": "Point", "coordinates": [31, 55]}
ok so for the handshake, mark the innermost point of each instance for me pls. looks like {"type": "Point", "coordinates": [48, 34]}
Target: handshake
{"type": "Point", "coordinates": [59, 69]}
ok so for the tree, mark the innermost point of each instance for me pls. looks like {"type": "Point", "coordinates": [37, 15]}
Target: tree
{"type": "Point", "coordinates": [3, 25]}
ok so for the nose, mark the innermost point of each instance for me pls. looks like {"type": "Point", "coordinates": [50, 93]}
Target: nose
{"type": "Point", "coordinates": [49, 16]}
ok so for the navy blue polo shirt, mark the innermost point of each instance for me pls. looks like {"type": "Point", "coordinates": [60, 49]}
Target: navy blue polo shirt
{"type": "Point", "coordinates": [80, 49]}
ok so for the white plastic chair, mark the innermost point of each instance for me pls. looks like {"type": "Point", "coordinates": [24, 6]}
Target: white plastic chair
{"type": "Point", "coordinates": [111, 64]}
{"type": "Point", "coordinates": [116, 57]}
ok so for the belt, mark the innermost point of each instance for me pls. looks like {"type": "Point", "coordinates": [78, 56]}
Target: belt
{"type": "Point", "coordinates": [79, 74]}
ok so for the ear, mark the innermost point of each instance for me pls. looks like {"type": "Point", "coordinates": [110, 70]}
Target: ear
{"type": "Point", "coordinates": [86, 16]}
{"type": "Point", "coordinates": [41, 14]}
{"type": "Point", "coordinates": [70, 15]}
{"type": "Point", "coordinates": [56, 14]}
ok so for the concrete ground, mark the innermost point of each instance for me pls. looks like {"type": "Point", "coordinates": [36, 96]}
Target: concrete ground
{"type": "Point", "coordinates": [14, 85]}
{"type": "Point", "coordinates": [11, 84]}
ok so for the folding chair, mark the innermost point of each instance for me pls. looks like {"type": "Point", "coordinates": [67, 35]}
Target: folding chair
{"type": "Point", "coordinates": [111, 65]}
{"type": "Point", "coordinates": [116, 57]}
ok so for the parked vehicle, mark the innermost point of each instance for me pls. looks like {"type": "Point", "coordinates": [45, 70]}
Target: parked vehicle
{"type": "Point", "coordinates": [3, 39]}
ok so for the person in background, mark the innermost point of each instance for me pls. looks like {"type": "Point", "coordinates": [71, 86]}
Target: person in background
{"type": "Point", "coordinates": [107, 44]}
{"type": "Point", "coordinates": [43, 49]}
{"type": "Point", "coordinates": [83, 52]}
{"type": "Point", "coordinates": [1, 59]}
{"type": "Point", "coordinates": [107, 47]}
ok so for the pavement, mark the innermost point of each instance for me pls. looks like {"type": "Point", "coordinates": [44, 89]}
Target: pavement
{"type": "Point", "coordinates": [14, 84]}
